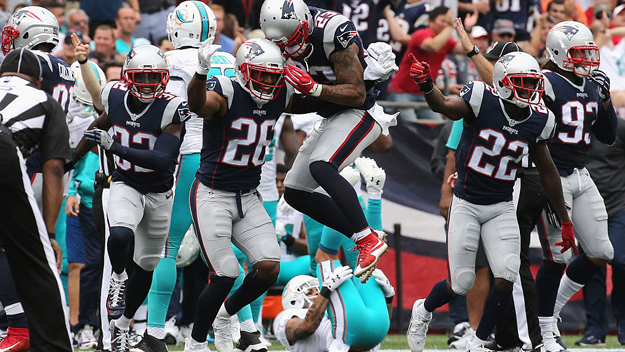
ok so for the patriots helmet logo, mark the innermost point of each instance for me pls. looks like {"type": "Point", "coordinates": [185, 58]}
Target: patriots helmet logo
{"type": "Point", "coordinates": [288, 10]}
{"type": "Point", "coordinates": [569, 31]}
{"type": "Point", "coordinates": [255, 50]}
{"type": "Point", "coordinates": [505, 60]}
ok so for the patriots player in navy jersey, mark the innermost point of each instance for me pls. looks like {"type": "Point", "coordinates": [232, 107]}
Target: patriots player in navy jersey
{"type": "Point", "coordinates": [579, 96]}
{"type": "Point", "coordinates": [239, 117]}
{"type": "Point", "coordinates": [147, 124]}
{"type": "Point", "coordinates": [502, 125]}
{"type": "Point", "coordinates": [328, 57]}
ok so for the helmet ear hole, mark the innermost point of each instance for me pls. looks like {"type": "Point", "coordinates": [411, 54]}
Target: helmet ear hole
{"type": "Point", "coordinates": [555, 52]}
{"type": "Point", "coordinates": [25, 36]}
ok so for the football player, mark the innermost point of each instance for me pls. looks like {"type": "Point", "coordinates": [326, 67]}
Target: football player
{"type": "Point", "coordinates": [147, 124]}
{"type": "Point", "coordinates": [579, 96]}
{"type": "Point", "coordinates": [329, 60]}
{"type": "Point", "coordinates": [501, 126]}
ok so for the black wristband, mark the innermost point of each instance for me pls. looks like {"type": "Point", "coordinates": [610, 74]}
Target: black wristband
{"type": "Point", "coordinates": [51, 235]}
{"type": "Point", "coordinates": [427, 87]}
{"type": "Point", "coordinates": [288, 240]}
{"type": "Point", "coordinates": [389, 300]}
{"type": "Point", "coordinates": [201, 77]}
{"type": "Point", "coordinates": [473, 52]}
{"type": "Point", "coordinates": [82, 62]}
{"type": "Point", "coordinates": [325, 292]}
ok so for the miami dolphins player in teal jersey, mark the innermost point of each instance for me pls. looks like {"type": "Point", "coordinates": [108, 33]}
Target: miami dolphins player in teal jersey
{"type": "Point", "coordinates": [191, 23]}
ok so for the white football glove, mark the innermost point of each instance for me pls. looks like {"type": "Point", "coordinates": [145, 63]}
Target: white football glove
{"type": "Point", "coordinates": [99, 137]}
{"type": "Point", "coordinates": [387, 288]}
{"type": "Point", "coordinates": [380, 62]}
{"type": "Point", "coordinates": [204, 53]}
{"type": "Point", "coordinates": [338, 276]}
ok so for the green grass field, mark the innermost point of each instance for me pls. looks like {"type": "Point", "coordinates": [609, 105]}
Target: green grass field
{"type": "Point", "coordinates": [437, 342]}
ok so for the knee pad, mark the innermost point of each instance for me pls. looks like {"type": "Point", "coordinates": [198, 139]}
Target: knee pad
{"type": "Point", "coordinates": [462, 280]}
{"type": "Point", "coordinates": [120, 237]}
{"type": "Point", "coordinates": [148, 263]}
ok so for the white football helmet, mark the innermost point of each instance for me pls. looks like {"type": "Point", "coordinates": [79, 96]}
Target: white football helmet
{"type": "Point", "coordinates": [296, 291]}
{"type": "Point", "coordinates": [189, 249]}
{"type": "Point", "coordinates": [518, 80]}
{"type": "Point", "coordinates": [571, 46]}
{"type": "Point", "coordinates": [145, 72]}
{"type": "Point", "coordinates": [255, 57]}
{"type": "Point", "coordinates": [28, 27]}
{"type": "Point", "coordinates": [191, 23]}
{"type": "Point", "coordinates": [288, 23]}
{"type": "Point", "coordinates": [81, 93]}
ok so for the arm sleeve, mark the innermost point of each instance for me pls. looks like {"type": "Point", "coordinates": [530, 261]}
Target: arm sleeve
{"type": "Point", "coordinates": [160, 158]}
{"type": "Point", "coordinates": [605, 126]}
{"type": "Point", "coordinates": [455, 134]}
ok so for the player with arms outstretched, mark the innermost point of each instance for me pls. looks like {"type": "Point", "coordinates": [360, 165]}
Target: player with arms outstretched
{"type": "Point", "coordinates": [501, 126]}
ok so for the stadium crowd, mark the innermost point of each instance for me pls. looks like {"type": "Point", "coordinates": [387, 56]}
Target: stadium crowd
{"type": "Point", "coordinates": [163, 218]}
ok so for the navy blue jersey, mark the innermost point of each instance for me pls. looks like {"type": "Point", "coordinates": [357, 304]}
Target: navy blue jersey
{"type": "Point", "coordinates": [368, 18]}
{"type": "Point", "coordinates": [233, 149]}
{"type": "Point", "coordinates": [318, 63]}
{"type": "Point", "coordinates": [410, 17]}
{"type": "Point", "coordinates": [139, 130]}
{"type": "Point", "coordinates": [58, 78]}
{"type": "Point", "coordinates": [575, 108]}
{"type": "Point", "coordinates": [491, 148]}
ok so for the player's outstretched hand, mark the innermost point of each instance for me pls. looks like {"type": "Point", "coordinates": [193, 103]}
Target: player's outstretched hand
{"type": "Point", "coordinates": [568, 238]}
{"type": "Point", "coordinates": [380, 62]}
{"type": "Point", "coordinates": [603, 84]}
{"type": "Point", "coordinates": [467, 44]}
{"type": "Point", "coordinates": [387, 288]}
{"type": "Point", "coordinates": [81, 51]}
{"type": "Point", "coordinates": [99, 137]}
{"type": "Point", "coordinates": [338, 276]}
{"type": "Point", "coordinates": [302, 81]}
{"type": "Point", "coordinates": [420, 73]}
{"type": "Point", "coordinates": [204, 53]}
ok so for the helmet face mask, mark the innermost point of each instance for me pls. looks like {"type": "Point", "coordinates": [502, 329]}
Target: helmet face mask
{"type": "Point", "coordinates": [571, 46]}
{"type": "Point", "coordinates": [259, 69]}
{"type": "Point", "coordinates": [297, 45]}
{"type": "Point", "coordinates": [28, 27]}
{"type": "Point", "coordinates": [300, 292]}
{"type": "Point", "coordinates": [518, 80]}
{"type": "Point", "coordinates": [191, 23]}
{"type": "Point", "coordinates": [146, 73]}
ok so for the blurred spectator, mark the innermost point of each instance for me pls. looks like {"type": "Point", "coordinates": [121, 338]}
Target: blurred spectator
{"type": "Point", "coordinates": [246, 11]}
{"type": "Point", "coordinates": [104, 39]}
{"type": "Point", "coordinates": [112, 70]}
{"type": "Point", "coordinates": [233, 31]}
{"type": "Point", "coordinates": [431, 44]}
{"type": "Point", "coordinates": [227, 44]}
{"type": "Point", "coordinates": [151, 24]}
{"type": "Point", "coordinates": [557, 10]}
{"type": "Point", "coordinates": [126, 22]}
{"type": "Point", "coordinates": [165, 45]}
{"type": "Point", "coordinates": [77, 20]}
{"type": "Point", "coordinates": [503, 30]}
{"type": "Point", "coordinates": [409, 16]}
{"type": "Point", "coordinates": [613, 58]}
{"type": "Point", "coordinates": [67, 52]}
{"type": "Point", "coordinates": [5, 12]}
{"type": "Point", "coordinates": [466, 7]}
{"type": "Point", "coordinates": [539, 38]}
{"type": "Point", "coordinates": [573, 10]}
{"type": "Point", "coordinates": [368, 17]}
{"type": "Point", "coordinates": [102, 12]}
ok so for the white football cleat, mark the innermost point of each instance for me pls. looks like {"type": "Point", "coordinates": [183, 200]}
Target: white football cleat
{"type": "Point", "coordinates": [223, 334]}
{"type": "Point", "coordinates": [418, 328]}
{"type": "Point", "coordinates": [193, 346]}
{"type": "Point", "coordinates": [374, 176]}
{"type": "Point", "coordinates": [350, 174]}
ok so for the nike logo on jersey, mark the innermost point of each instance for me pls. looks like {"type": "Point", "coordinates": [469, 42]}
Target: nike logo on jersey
{"type": "Point", "coordinates": [167, 196]}
{"type": "Point", "coordinates": [343, 28]}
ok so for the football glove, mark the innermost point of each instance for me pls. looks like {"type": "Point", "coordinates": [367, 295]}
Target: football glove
{"type": "Point", "coordinates": [204, 53]}
{"type": "Point", "coordinates": [380, 62]}
{"type": "Point", "coordinates": [99, 137]}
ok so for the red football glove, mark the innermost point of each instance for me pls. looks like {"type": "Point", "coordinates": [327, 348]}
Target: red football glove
{"type": "Point", "coordinates": [568, 238]}
{"type": "Point", "coordinates": [419, 71]}
{"type": "Point", "coordinates": [302, 81]}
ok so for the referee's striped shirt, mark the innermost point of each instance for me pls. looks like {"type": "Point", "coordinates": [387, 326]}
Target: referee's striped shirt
{"type": "Point", "coordinates": [34, 119]}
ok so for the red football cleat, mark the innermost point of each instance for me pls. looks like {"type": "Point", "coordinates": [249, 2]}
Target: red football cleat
{"type": "Point", "coordinates": [370, 248]}
{"type": "Point", "coordinates": [16, 340]}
